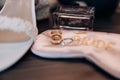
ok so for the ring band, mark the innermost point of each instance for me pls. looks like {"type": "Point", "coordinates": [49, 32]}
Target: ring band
{"type": "Point", "coordinates": [66, 41]}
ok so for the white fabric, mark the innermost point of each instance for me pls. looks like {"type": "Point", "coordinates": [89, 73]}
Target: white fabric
{"type": "Point", "coordinates": [107, 58]}
{"type": "Point", "coordinates": [10, 53]}
{"type": "Point", "coordinates": [22, 20]}
{"type": "Point", "coordinates": [16, 25]}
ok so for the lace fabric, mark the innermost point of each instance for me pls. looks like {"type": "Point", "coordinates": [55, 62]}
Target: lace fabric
{"type": "Point", "coordinates": [16, 25]}
{"type": "Point", "coordinates": [19, 18]}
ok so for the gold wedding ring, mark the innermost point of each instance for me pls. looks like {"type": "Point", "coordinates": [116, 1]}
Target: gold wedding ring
{"type": "Point", "coordinates": [56, 36]}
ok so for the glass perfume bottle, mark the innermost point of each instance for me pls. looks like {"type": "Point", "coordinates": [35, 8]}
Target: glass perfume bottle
{"type": "Point", "coordinates": [81, 18]}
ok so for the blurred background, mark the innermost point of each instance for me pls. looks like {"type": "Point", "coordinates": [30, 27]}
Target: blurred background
{"type": "Point", "coordinates": [103, 8]}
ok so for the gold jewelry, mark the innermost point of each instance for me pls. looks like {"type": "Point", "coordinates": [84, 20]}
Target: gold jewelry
{"type": "Point", "coordinates": [56, 36]}
{"type": "Point", "coordinates": [56, 32]}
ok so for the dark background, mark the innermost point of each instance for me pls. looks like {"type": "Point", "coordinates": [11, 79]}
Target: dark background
{"type": "Point", "coordinates": [103, 8]}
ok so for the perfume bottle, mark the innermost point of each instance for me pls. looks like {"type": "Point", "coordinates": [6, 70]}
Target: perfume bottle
{"type": "Point", "coordinates": [81, 18]}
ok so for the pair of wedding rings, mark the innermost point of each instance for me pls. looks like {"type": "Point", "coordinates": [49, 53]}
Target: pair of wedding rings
{"type": "Point", "coordinates": [56, 38]}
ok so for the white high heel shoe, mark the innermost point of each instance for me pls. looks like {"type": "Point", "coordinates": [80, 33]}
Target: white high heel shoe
{"type": "Point", "coordinates": [17, 30]}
